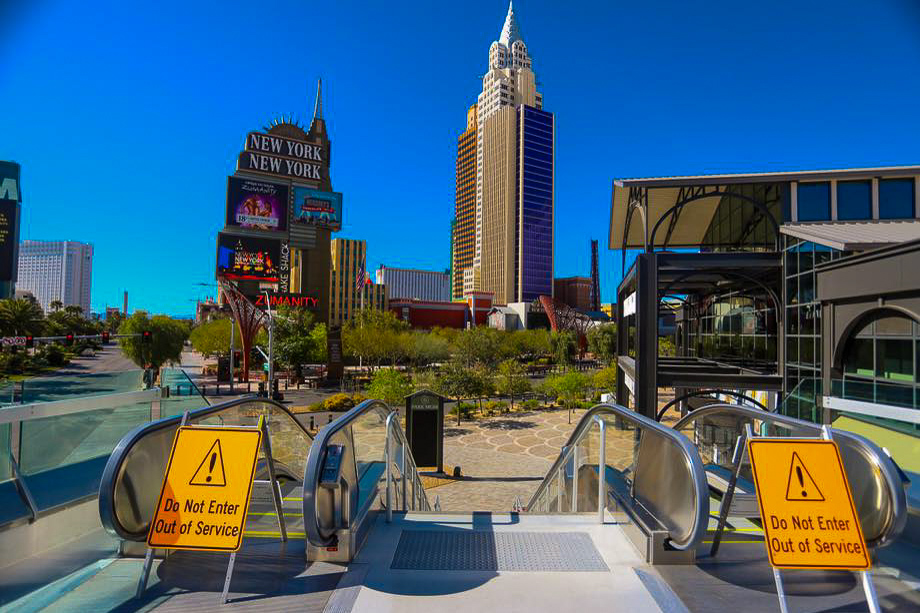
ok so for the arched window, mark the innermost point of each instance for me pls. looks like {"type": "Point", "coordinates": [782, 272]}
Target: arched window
{"type": "Point", "coordinates": [880, 360]}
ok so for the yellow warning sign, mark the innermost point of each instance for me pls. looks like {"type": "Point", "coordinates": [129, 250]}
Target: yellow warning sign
{"type": "Point", "coordinates": [206, 489]}
{"type": "Point", "coordinates": [806, 525]}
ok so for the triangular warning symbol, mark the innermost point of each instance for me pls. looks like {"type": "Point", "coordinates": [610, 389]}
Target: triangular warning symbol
{"type": "Point", "coordinates": [800, 486]}
{"type": "Point", "coordinates": [211, 470]}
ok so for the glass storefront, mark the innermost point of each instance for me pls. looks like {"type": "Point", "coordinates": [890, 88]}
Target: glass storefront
{"type": "Point", "coordinates": [803, 326]}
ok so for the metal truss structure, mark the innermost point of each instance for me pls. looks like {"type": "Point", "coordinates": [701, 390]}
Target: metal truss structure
{"type": "Point", "coordinates": [248, 317]}
{"type": "Point", "coordinates": [637, 201]}
{"type": "Point", "coordinates": [563, 318]}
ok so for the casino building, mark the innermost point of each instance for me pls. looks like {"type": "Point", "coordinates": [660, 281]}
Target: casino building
{"type": "Point", "coordinates": [281, 213]}
{"type": "Point", "coordinates": [512, 246]}
{"type": "Point", "coordinates": [794, 291]}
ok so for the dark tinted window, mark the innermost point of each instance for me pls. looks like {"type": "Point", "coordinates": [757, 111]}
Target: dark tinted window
{"type": "Point", "coordinates": [814, 201]}
{"type": "Point", "coordinates": [854, 200]}
{"type": "Point", "coordinates": [895, 198]}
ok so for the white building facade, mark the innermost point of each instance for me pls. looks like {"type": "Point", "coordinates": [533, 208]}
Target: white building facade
{"type": "Point", "coordinates": [413, 284]}
{"type": "Point", "coordinates": [57, 270]}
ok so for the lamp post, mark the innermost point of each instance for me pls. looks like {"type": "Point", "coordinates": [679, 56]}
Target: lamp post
{"type": "Point", "coordinates": [271, 354]}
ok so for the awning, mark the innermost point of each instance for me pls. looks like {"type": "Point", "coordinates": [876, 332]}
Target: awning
{"type": "Point", "coordinates": [854, 235]}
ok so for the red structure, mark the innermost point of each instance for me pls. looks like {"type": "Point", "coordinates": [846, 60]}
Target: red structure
{"type": "Point", "coordinates": [426, 314]}
{"type": "Point", "coordinates": [247, 316]}
{"type": "Point", "coordinates": [563, 317]}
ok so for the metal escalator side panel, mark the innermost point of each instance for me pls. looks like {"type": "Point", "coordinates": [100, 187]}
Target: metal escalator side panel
{"type": "Point", "coordinates": [131, 481]}
{"type": "Point", "coordinates": [667, 485]}
{"type": "Point", "coordinates": [876, 483]}
{"type": "Point", "coordinates": [661, 455]}
{"type": "Point", "coordinates": [363, 432]}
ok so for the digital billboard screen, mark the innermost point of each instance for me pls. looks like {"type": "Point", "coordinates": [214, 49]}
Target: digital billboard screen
{"type": "Point", "coordinates": [256, 205]}
{"type": "Point", "coordinates": [318, 208]}
{"type": "Point", "coordinates": [8, 239]}
{"type": "Point", "coordinates": [244, 258]}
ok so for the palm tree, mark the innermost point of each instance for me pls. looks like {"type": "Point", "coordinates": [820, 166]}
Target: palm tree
{"type": "Point", "coordinates": [56, 305]}
{"type": "Point", "coordinates": [20, 317]}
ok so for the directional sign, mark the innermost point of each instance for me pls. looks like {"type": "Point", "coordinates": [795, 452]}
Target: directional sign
{"type": "Point", "coordinates": [807, 511]}
{"type": "Point", "coordinates": [205, 493]}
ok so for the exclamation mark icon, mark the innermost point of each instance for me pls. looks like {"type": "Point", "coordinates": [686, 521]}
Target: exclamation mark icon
{"type": "Point", "coordinates": [798, 473]}
{"type": "Point", "coordinates": [214, 461]}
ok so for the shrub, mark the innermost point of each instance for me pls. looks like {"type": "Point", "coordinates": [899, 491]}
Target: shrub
{"type": "Point", "coordinates": [531, 404]}
{"type": "Point", "coordinates": [338, 403]}
{"type": "Point", "coordinates": [466, 409]}
{"type": "Point", "coordinates": [55, 355]}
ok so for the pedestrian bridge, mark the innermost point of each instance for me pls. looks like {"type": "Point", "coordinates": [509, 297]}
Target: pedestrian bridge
{"type": "Point", "coordinates": [626, 518]}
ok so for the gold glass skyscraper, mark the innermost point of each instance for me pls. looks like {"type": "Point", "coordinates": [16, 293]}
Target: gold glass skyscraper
{"type": "Point", "coordinates": [514, 182]}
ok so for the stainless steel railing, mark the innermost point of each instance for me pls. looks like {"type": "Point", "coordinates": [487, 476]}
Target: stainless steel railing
{"type": "Point", "coordinates": [375, 457]}
{"type": "Point", "coordinates": [877, 486]}
{"type": "Point", "coordinates": [643, 463]}
{"type": "Point", "coordinates": [134, 473]}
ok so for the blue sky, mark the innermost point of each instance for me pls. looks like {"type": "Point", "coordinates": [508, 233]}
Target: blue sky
{"type": "Point", "coordinates": [128, 117]}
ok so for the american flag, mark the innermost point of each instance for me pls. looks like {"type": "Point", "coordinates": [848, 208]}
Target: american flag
{"type": "Point", "coordinates": [361, 277]}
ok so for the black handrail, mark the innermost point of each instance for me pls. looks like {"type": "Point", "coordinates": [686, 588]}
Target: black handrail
{"type": "Point", "coordinates": [737, 395]}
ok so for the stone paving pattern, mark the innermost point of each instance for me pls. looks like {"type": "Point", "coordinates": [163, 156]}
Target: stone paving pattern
{"type": "Point", "coordinates": [506, 456]}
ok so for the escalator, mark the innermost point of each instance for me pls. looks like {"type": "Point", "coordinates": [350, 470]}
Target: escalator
{"type": "Point", "coordinates": [627, 511]}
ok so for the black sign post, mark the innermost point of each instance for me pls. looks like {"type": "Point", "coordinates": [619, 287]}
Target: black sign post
{"type": "Point", "coordinates": [335, 366]}
{"type": "Point", "coordinates": [425, 428]}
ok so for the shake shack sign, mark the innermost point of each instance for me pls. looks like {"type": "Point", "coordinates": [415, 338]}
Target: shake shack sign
{"type": "Point", "coordinates": [283, 157]}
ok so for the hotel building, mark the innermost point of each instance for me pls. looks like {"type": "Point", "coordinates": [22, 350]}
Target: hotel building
{"type": "Point", "coordinates": [514, 185]}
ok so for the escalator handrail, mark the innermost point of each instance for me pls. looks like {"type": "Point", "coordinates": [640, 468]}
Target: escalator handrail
{"type": "Point", "coordinates": [690, 453]}
{"type": "Point", "coordinates": [128, 441]}
{"type": "Point", "coordinates": [317, 455]}
{"type": "Point", "coordinates": [882, 461]}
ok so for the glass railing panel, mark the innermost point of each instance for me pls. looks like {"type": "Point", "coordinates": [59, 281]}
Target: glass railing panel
{"type": "Point", "coordinates": [893, 394]}
{"type": "Point", "coordinates": [369, 432]}
{"type": "Point", "coordinates": [47, 389]}
{"type": "Point", "coordinates": [621, 449]}
{"type": "Point", "coordinates": [6, 467]}
{"type": "Point", "coordinates": [57, 441]}
{"type": "Point", "coordinates": [588, 455]}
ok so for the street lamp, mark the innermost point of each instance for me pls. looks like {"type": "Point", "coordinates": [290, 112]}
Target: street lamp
{"type": "Point", "coordinates": [271, 354]}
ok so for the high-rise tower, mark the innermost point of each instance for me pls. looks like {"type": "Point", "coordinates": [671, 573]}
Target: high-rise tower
{"type": "Point", "coordinates": [515, 138]}
{"type": "Point", "coordinates": [464, 231]}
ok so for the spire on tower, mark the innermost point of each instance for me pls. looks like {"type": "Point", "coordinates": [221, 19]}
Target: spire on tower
{"type": "Point", "coordinates": [318, 105]}
{"type": "Point", "coordinates": [510, 31]}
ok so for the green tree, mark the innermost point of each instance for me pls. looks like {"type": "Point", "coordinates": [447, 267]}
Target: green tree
{"type": "Point", "coordinates": [484, 385]}
{"type": "Point", "coordinates": [602, 342]}
{"type": "Point", "coordinates": [606, 379]}
{"type": "Point", "coordinates": [113, 321]}
{"type": "Point", "coordinates": [56, 305]}
{"type": "Point", "coordinates": [427, 348]}
{"type": "Point", "coordinates": [375, 336]}
{"type": "Point", "coordinates": [167, 338]}
{"type": "Point", "coordinates": [294, 345]}
{"type": "Point", "coordinates": [212, 337]}
{"type": "Point", "coordinates": [458, 382]}
{"type": "Point", "coordinates": [563, 347]}
{"type": "Point", "coordinates": [570, 386]}
{"type": "Point", "coordinates": [512, 379]}
{"type": "Point", "coordinates": [20, 317]}
{"type": "Point", "coordinates": [527, 345]}
{"type": "Point", "coordinates": [320, 348]}
{"type": "Point", "coordinates": [391, 386]}
{"type": "Point", "coordinates": [479, 345]}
